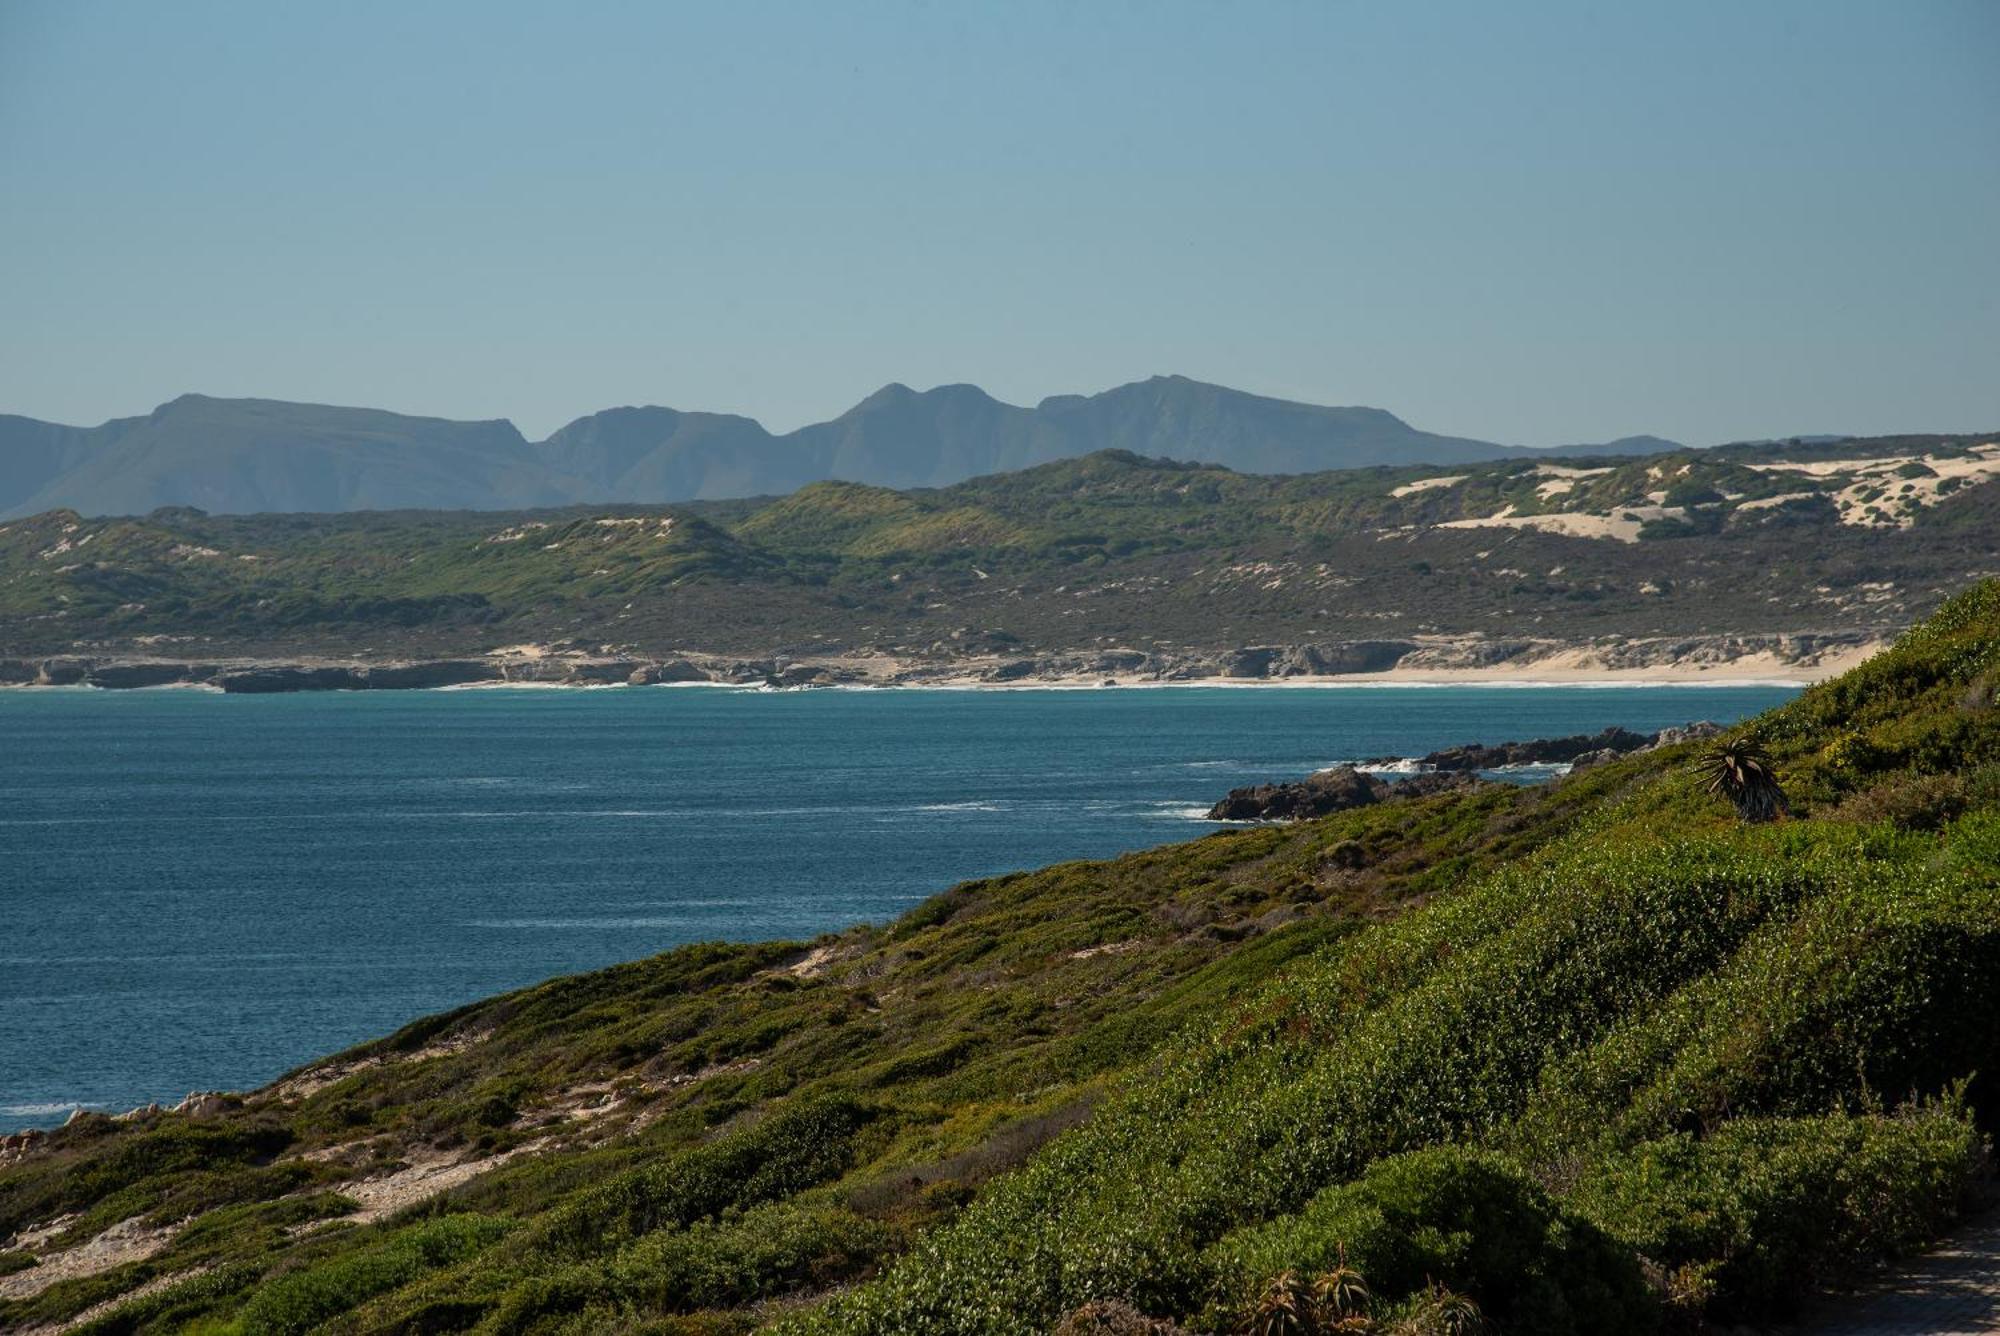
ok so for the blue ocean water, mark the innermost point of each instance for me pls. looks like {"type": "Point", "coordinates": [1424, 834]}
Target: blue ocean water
{"type": "Point", "coordinates": [202, 891]}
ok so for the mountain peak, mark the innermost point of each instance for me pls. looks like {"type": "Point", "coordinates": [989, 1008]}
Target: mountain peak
{"type": "Point", "coordinates": [183, 401]}
{"type": "Point", "coordinates": [234, 455]}
{"type": "Point", "coordinates": [896, 395]}
{"type": "Point", "coordinates": [895, 392]}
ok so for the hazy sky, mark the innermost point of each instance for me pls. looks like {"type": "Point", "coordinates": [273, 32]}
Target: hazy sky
{"type": "Point", "coordinates": [1534, 222]}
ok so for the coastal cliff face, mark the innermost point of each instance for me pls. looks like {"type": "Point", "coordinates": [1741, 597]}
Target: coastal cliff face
{"type": "Point", "coordinates": [1801, 657]}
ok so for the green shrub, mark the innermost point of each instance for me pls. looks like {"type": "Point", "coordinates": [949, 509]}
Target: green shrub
{"type": "Point", "coordinates": [1908, 800]}
{"type": "Point", "coordinates": [179, 1306]}
{"type": "Point", "coordinates": [1455, 1217]}
{"type": "Point", "coordinates": [1891, 982]}
{"type": "Point", "coordinates": [770, 1250]}
{"type": "Point", "coordinates": [1691, 492]}
{"type": "Point", "coordinates": [1769, 1208]}
{"type": "Point", "coordinates": [303, 1300]}
{"type": "Point", "coordinates": [795, 1148]}
{"type": "Point", "coordinates": [214, 1162]}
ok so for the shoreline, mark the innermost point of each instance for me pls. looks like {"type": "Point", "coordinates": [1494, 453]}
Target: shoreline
{"type": "Point", "coordinates": [1415, 680]}
{"type": "Point", "coordinates": [1792, 661]}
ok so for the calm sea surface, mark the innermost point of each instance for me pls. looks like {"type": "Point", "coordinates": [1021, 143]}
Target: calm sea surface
{"type": "Point", "coordinates": [201, 891]}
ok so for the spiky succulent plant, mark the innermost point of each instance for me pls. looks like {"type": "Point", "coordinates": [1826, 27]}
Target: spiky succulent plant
{"type": "Point", "coordinates": [1743, 772]}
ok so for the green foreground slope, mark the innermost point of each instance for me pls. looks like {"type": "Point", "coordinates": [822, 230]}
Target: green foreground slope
{"type": "Point", "coordinates": [1594, 1056]}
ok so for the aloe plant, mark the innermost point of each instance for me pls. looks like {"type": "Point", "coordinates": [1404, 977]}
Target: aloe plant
{"type": "Point", "coordinates": [1742, 771]}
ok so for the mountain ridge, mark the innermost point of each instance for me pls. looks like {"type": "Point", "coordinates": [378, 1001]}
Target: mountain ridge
{"type": "Point", "coordinates": [255, 455]}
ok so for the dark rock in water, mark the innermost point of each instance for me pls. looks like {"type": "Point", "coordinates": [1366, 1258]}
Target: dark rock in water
{"type": "Point", "coordinates": [1455, 767]}
{"type": "Point", "coordinates": [1436, 781]}
{"type": "Point", "coordinates": [1540, 751]}
{"type": "Point", "coordinates": [1334, 790]}
{"type": "Point", "coordinates": [1666, 737]}
{"type": "Point", "coordinates": [1348, 786]}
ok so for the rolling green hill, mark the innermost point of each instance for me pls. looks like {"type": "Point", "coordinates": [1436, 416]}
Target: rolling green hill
{"type": "Point", "coordinates": [1593, 1057]}
{"type": "Point", "coordinates": [1109, 550]}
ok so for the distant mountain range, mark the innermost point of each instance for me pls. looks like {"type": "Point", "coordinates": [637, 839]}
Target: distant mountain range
{"type": "Point", "coordinates": [242, 456]}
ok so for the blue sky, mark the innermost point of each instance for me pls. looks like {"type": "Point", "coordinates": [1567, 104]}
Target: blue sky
{"type": "Point", "coordinates": [1534, 222]}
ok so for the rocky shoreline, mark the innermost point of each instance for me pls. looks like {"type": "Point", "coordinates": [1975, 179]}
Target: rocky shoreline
{"type": "Point", "coordinates": [1578, 750]}
{"type": "Point", "coordinates": [1346, 786]}
{"type": "Point", "coordinates": [1800, 657]}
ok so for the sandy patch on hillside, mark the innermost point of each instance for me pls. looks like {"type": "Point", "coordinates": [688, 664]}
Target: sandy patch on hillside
{"type": "Point", "coordinates": [1623, 524]}
{"type": "Point", "coordinates": [127, 1241]}
{"type": "Point", "coordinates": [1876, 497]}
{"type": "Point", "coordinates": [133, 1295]}
{"type": "Point", "coordinates": [321, 1075]}
{"type": "Point", "coordinates": [424, 1175]}
{"type": "Point", "coordinates": [1428, 484]}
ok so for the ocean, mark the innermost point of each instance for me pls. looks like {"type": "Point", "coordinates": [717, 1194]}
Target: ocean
{"type": "Point", "coordinates": [203, 891]}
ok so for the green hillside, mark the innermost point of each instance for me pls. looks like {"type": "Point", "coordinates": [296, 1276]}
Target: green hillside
{"type": "Point", "coordinates": [1597, 1056]}
{"type": "Point", "coordinates": [1108, 549]}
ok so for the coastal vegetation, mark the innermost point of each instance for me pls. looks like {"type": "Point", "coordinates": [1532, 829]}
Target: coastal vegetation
{"type": "Point", "coordinates": [1110, 550]}
{"type": "Point", "coordinates": [1616, 1053]}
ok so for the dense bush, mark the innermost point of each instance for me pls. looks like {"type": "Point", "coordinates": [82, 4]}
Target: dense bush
{"type": "Point", "coordinates": [302, 1301]}
{"type": "Point", "coordinates": [1616, 989]}
{"type": "Point", "coordinates": [1765, 1209]}
{"type": "Point", "coordinates": [194, 1164]}
{"type": "Point", "coordinates": [1454, 1217]}
{"type": "Point", "coordinates": [793, 1149]}
{"type": "Point", "coordinates": [713, 1264]}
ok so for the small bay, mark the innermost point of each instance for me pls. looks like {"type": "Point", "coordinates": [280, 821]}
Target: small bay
{"type": "Point", "coordinates": [202, 891]}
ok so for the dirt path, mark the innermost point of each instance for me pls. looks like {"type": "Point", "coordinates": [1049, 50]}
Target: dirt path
{"type": "Point", "coordinates": [1952, 1291]}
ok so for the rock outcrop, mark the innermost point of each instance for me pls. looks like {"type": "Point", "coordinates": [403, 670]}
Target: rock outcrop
{"type": "Point", "coordinates": [1666, 737]}
{"type": "Point", "coordinates": [1347, 786]}
{"type": "Point", "coordinates": [432, 673]}
{"type": "Point", "coordinates": [1538, 751]}
{"type": "Point", "coordinates": [1336, 790]}
{"type": "Point", "coordinates": [126, 676]}
{"type": "Point", "coordinates": [673, 670]}
{"type": "Point", "coordinates": [259, 681]}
